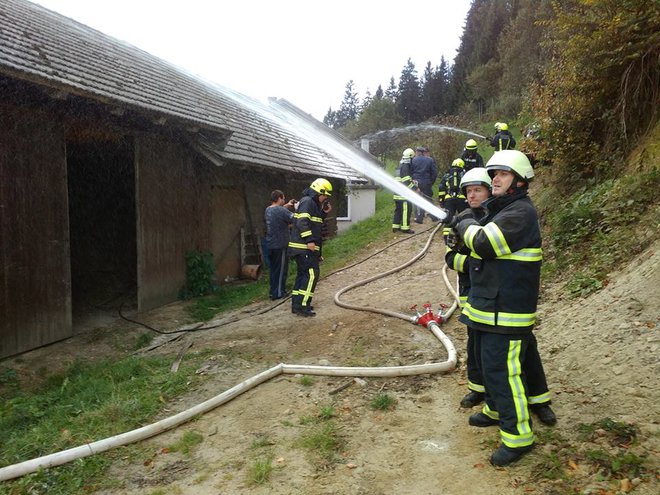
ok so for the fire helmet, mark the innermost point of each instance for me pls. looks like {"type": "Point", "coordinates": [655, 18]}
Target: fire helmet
{"type": "Point", "coordinates": [471, 144]}
{"type": "Point", "coordinates": [475, 177]}
{"type": "Point", "coordinates": [512, 161]}
{"type": "Point", "coordinates": [504, 126]}
{"type": "Point", "coordinates": [322, 186]}
{"type": "Point", "coordinates": [408, 153]}
{"type": "Point", "coordinates": [458, 163]}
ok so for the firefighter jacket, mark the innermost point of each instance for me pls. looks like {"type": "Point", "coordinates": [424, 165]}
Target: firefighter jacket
{"type": "Point", "coordinates": [472, 160]}
{"type": "Point", "coordinates": [503, 140]}
{"type": "Point", "coordinates": [450, 184]}
{"type": "Point", "coordinates": [457, 257]}
{"type": "Point", "coordinates": [404, 177]}
{"type": "Point", "coordinates": [307, 224]}
{"type": "Point", "coordinates": [505, 265]}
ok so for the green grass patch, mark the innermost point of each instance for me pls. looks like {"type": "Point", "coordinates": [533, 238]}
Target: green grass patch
{"type": "Point", "coordinates": [260, 470]}
{"type": "Point", "coordinates": [324, 441]}
{"type": "Point", "coordinates": [596, 229]}
{"type": "Point", "coordinates": [382, 402]}
{"type": "Point", "coordinates": [306, 381]}
{"type": "Point", "coordinates": [188, 441]}
{"type": "Point", "coordinates": [86, 403]}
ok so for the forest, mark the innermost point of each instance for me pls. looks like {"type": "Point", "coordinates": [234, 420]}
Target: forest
{"type": "Point", "coordinates": [581, 77]}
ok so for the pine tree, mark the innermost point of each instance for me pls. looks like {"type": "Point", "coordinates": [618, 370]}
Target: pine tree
{"type": "Point", "coordinates": [349, 108]}
{"type": "Point", "coordinates": [392, 92]}
{"type": "Point", "coordinates": [408, 102]}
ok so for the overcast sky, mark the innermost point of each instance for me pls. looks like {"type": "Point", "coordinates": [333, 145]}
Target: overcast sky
{"type": "Point", "coordinates": [302, 50]}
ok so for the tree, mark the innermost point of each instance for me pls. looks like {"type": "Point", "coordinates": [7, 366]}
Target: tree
{"type": "Point", "coordinates": [408, 102]}
{"type": "Point", "coordinates": [330, 118]}
{"type": "Point", "coordinates": [381, 114]}
{"type": "Point", "coordinates": [603, 85]}
{"type": "Point", "coordinates": [392, 92]}
{"type": "Point", "coordinates": [379, 93]}
{"type": "Point", "coordinates": [349, 108]}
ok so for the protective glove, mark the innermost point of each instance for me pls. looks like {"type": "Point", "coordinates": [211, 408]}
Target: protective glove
{"type": "Point", "coordinates": [466, 213]}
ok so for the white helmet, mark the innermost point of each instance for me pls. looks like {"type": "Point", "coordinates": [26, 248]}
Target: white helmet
{"type": "Point", "coordinates": [512, 161]}
{"type": "Point", "coordinates": [475, 177]}
{"type": "Point", "coordinates": [408, 153]}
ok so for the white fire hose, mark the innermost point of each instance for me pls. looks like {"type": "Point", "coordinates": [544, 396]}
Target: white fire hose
{"type": "Point", "coordinates": [65, 456]}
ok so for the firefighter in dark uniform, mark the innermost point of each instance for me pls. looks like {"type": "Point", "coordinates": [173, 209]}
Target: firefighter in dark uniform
{"type": "Point", "coordinates": [403, 207]}
{"type": "Point", "coordinates": [505, 269]}
{"type": "Point", "coordinates": [476, 185]}
{"type": "Point", "coordinates": [476, 188]}
{"type": "Point", "coordinates": [305, 244]}
{"type": "Point", "coordinates": [503, 139]}
{"type": "Point", "coordinates": [471, 156]}
{"type": "Point", "coordinates": [450, 194]}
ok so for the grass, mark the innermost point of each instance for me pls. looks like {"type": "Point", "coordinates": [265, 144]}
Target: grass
{"type": "Point", "coordinates": [324, 441]}
{"type": "Point", "coordinates": [382, 402]}
{"type": "Point", "coordinates": [306, 381]}
{"type": "Point", "coordinates": [187, 442]}
{"type": "Point", "coordinates": [260, 470]}
{"type": "Point", "coordinates": [85, 403]}
{"type": "Point", "coordinates": [600, 224]}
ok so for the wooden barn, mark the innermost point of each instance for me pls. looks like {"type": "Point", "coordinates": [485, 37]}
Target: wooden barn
{"type": "Point", "coordinates": [114, 164]}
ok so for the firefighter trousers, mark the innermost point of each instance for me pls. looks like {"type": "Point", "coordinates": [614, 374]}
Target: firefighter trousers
{"type": "Point", "coordinates": [402, 215]}
{"type": "Point", "coordinates": [502, 357]}
{"type": "Point", "coordinates": [307, 277]}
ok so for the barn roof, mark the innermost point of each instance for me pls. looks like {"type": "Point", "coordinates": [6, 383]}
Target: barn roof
{"type": "Point", "coordinates": [51, 50]}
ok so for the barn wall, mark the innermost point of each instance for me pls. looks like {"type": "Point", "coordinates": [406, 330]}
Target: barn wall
{"type": "Point", "coordinates": [173, 216]}
{"type": "Point", "coordinates": [35, 291]}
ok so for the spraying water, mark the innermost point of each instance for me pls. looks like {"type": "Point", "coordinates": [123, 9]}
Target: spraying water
{"type": "Point", "coordinates": [418, 128]}
{"type": "Point", "coordinates": [284, 114]}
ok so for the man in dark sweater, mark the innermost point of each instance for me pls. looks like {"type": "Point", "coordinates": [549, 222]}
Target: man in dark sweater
{"type": "Point", "coordinates": [278, 218]}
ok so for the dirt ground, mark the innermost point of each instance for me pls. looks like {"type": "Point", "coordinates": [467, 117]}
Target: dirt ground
{"type": "Point", "coordinates": [600, 355]}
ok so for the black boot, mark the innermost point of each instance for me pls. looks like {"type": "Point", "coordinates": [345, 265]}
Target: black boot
{"type": "Point", "coordinates": [471, 399]}
{"type": "Point", "coordinates": [506, 455]}
{"type": "Point", "coordinates": [481, 420]}
{"type": "Point", "coordinates": [304, 311]}
{"type": "Point", "coordinates": [544, 413]}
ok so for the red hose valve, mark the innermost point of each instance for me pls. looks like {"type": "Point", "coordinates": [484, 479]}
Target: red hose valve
{"type": "Point", "coordinates": [426, 317]}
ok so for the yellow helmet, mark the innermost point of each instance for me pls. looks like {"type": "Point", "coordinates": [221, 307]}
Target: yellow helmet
{"type": "Point", "coordinates": [498, 126]}
{"type": "Point", "coordinates": [458, 163]}
{"type": "Point", "coordinates": [512, 161]}
{"type": "Point", "coordinates": [322, 186]}
{"type": "Point", "coordinates": [471, 144]}
{"type": "Point", "coordinates": [408, 153]}
{"type": "Point", "coordinates": [504, 126]}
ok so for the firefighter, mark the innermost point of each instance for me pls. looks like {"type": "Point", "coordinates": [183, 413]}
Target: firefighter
{"type": "Point", "coordinates": [503, 139]}
{"type": "Point", "coordinates": [403, 207]}
{"type": "Point", "coordinates": [475, 185]}
{"type": "Point", "coordinates": [450, 195]}
{"type": "Point", "coordinates": [471, 156]}
{"type": "Point", "coordinates": [505, 268]}
{"type": "Point", "coordinates": [305, 244]}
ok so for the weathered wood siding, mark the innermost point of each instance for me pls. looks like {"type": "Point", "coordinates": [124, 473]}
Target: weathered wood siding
{"type": "Point", "coordinates": [173, 215]}
{"type": "Point", "coordinates": [35, 289]}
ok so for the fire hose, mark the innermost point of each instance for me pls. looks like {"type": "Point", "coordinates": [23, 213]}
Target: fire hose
{"type": "Point", "coordinates": [426, 318]}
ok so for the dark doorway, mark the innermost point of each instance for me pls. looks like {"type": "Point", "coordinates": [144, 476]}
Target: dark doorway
{"type": "Point", "coordinates": [101, 182]}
